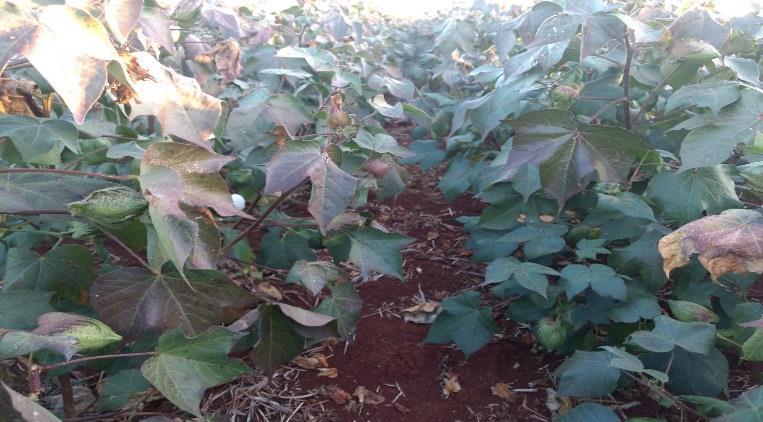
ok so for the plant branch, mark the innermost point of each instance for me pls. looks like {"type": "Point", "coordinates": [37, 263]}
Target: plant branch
{"type": "Point", "coordinates": [92, 358]}
{"type": "Point", "coordinates": [38, 212]}
{"type": "Point", "coordinates": [607, 106]}
{"type": "Point", "coordinates": [68, 172]}
{"type": "Point", "coordinates": [125, 247]}
{"type": "Point", "coordinates": [259, 220]}
{"type": "Point", "coordinates": [626, 83]}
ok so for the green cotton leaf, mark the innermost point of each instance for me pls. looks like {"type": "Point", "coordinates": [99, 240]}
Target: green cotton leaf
{"type": "Point", "coordinates": [713, 95]}
{"type": "Point", "coordinates": [602, 279]}
{"type": "Point", "coordinates": [16, 407]}
{"type": "Point", "coordinates": [590, 248]}
{"type": "Point", "coordinates": [180, 181]}
{"type": "Point", "coordinates": [695, 337]}
{"type": "Point", "coordinates": [746, 407]}
{"type": "Point", "coordinates": [400, 89]}
{"type": "Point", "coordinates": [699, 25]}
{"type": "Point", "coordinates": [707, 406]}
{"type": "Point", "coordinates": [752, 348]}
{"type": "Point", "coordinates": [292, 164]}
{"type": "Point", "coordinates": [67, 270]}
{"type": "Point", "coordinates": [331, 192]}
{"type": "Point", "coordinates": [641, 259]}
{"type": "Point", "coordinates": [589, 412]}
{"type": "Point", "coordinates": [529, 275]}
{"type": "Point", "coordinates": [313, 275]}
{"type": "Point", "coordinates": [539, 239]}
{"type": "Point", "coordinates": [636, 307]}
{"type": "Point", "coordinates": [344, 304]}
{"type": "Point", "coordinates": [376, 251]}
{"type": "Point", "coordinates": [569, 154]}
{"type": "Point", "coordinates": [381, 143]}
{"type": "Point", "coordinates": [281, 250]}
{"type": "Point", "coordinates": [746, 69]}
{"type": "Point", "coordinates": [712, 140]}
{"type": "Point", "coordinates": [691, 373]}
{"type": "Point", "coordinates": [625, 204]}
{"type": "Point", "coordinates": [135, 300]}
{"type": "Point", "coordinates": [120, 388]}
{"type": "Point", "coordinates": [35, 138]}
{"type": "Point", "coordinates": [587, 374]}
{"type": "Point", "coordinates": [183, 368]}
{"type": "Point", "coordinates": [455, 181]}
{"type": "Point", "coordinates": [527, 180]}
{"type": "Point", "coordinates": [425, 153]}
{"type": "Point", "coordinates": [686, 196]}
{"type": "Point", "coordinates": [35, 191]}
{"type": "Point", "coordinates": [380, 104]}
{"type": "Point", "coordinates": [464, 322]}
{"type": "Point", "coordinates": [277, 342]}
{"type": "Point", "coordinates": [19, 309]}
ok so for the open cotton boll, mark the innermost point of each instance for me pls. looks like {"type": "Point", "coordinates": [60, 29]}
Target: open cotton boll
{"type": "Point", "coordinates": [238, 201]}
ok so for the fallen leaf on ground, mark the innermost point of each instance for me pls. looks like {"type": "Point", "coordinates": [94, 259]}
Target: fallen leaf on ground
{"type": "Point", "coordinates": [401, 408]}
{"type": "Point", "coordinates": [338, 395]}
{"type": "Point", "coordinates": [503, 391]}
{"type": "Point", "coordinates": [328, 372]}
{"type": "Point", "coordinates": [423, 313]}
{"type": "Point", "coordinates": [432, 235]}
{"type": "Point", "coordinates": [270, 290]}
{"type": "Point", "coordinates": [322, 360]}
{"type": "Point", "coordinates": [305, 362]}
{"type": "Point", "coordinates": [450, 384]}
{"type": "Point", "coordinates": [366, 396]}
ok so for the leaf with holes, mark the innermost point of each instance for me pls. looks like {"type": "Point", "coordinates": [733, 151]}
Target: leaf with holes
{"type": "Point", "coordinates": [184, 368]}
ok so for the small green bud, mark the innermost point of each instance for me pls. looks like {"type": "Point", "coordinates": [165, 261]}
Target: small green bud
{"type": "Point", "coordinates": [551, 333]}
{"type": "Point", "coordinates": [110, 206]}
{"type": "Point", "coordinates": [691, 312]}
{"type": "Point", "coordinates": [90, 334]}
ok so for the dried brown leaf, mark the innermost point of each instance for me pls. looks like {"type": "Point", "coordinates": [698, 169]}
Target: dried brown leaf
{"type": "Point", "coordinates": [328, 372]}
{"type": "Point", "coordinates": [366, 396]}
{"type": "Point", "coordinates": [731, 242]}
{"type": "Point", "coordinates": [423, 313]}
{"type": "Point", "coordinates": [503, 391]}
{"type": "Point", "coordinates": [338, 395]}
{"type": "Point", "coordinates": [450, 384]}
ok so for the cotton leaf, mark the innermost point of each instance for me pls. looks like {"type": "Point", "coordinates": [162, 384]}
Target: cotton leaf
{"type": "Point", "coordinates": [726, 243]}
{"type": "Point", "coordinates": [178, 102]}
{"type": "Point", "coordinates": [122, 16]}
{"type": "Point", "coordinates": [181, 182]}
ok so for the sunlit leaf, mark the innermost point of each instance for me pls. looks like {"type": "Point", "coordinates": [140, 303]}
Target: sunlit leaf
{"type": "Point", "coordinates": [17, 407]}
{"type": "Point", "coordinates": [180, 182]}
{"type": "Point", "coordinates": [122, 16]}
{"type": "Point", "coordinates": [184, 368]}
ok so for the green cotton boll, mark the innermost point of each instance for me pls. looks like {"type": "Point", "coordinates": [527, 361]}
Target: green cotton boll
{"type": "Point", "coordinates": [90, 333]}
{"type": "Point", "coordinates": [551, 333]}
{"type": "Point", "coordinates": [110, 206]}
{"type": "Point", "coordinates": [691, 312]}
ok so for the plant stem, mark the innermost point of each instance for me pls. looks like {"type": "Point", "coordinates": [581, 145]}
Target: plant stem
{"type": "Point", "coordinates": [70, 406]}
{"type": "Point", "coordinates": [68, 172]}
{"type": "Point", "coordinates": [79, 159]}
{"type": "Point", "coordinates": [37, 212]}
{"type": "Point", "coordinates": [728, 340]}
{"type": "Point", "coordinates": [626, 83]}
{"type": "Point", "coordinates": [125, 247]}
{"type": "Point", "coordinates": [92, 358]}
{"type": "Point", "coordinates": [259, 220]}
{"type": "Point", "coordinates": [608, 105]}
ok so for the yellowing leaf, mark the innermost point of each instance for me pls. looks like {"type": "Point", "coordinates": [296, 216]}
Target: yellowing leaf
{"type": "Point", "coordinates": [121, 16]}
{"type": "Point", "coordinates": [71, 50]}
{"type": "Point", "coordinates": [729, 242]}
{"type": "Point", "coordinates": [178, 102]}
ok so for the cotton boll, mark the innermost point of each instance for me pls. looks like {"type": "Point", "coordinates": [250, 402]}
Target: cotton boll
{"type": "Point", "coordinates": [238, 201]}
